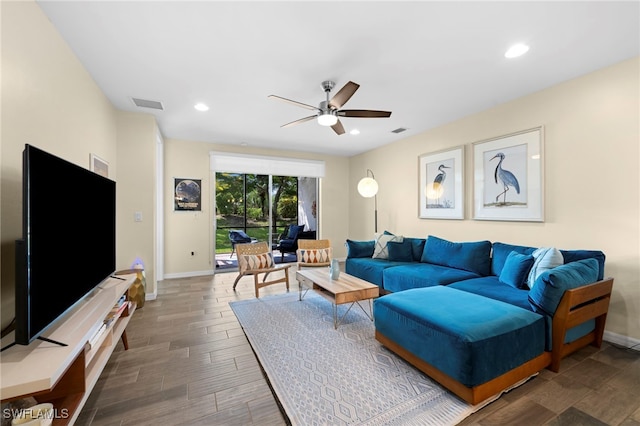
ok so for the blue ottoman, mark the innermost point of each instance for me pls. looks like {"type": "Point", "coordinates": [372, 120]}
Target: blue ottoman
{"type": "Point", "coordinates": [475, 346]}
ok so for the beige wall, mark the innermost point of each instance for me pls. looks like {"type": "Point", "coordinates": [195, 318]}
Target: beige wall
{"type": "Point", "coordinates": [137, 144]}
{"type": "Point", "coordinates": [50, 101]}
{"type": "Point", "coordinates": [185, 232]}
{"type": "Point", "coordinates": [592, 184]}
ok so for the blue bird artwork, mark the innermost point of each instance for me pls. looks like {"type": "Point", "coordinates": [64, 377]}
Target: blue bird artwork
{"type": "Point", "coordinates": [506, 178]}
{"type": "Point", "coordinates": [439, 181]}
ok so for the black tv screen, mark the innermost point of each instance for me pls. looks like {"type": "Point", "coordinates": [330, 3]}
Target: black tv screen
{"type": "Point", "coordinates": [69, 239]}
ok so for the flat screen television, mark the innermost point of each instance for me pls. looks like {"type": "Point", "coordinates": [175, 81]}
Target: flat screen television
{"type": "Point", "coordinates": [69, 240]}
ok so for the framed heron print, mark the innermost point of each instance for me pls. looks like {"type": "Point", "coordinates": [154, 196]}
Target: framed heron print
{"type": "Point", "coordinates": [440, 186]}
{"type": "Point", "coordinates": [508, 177]}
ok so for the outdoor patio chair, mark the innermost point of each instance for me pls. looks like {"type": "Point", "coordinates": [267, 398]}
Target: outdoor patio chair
{"type": "Point", "coordinates": [239, 237]}
{"type": "Point", "coordinates": [313, 253]}
{"type": "Point", "coordinates": [255, 259]}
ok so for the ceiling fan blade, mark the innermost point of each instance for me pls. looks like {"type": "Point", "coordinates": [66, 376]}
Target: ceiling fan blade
{"type": "Point", "coordinates": [300, 121]}
{"type": "Point", "coordinates": [364, 113]}
{"type": "Point", "coordinates": [338, 128]}
{"type": "Point", "coordinates": [300, 104]}
{"type": "Point", "coordinates": [343, 95]}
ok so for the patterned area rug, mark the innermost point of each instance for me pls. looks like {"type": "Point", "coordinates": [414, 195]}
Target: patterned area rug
{"type": "Point", "coordinates": [323, 376]}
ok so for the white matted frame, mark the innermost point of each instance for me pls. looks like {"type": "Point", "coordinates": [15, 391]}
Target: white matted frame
{"type": "Point", "coordinates": [509, 177]}
{"type": "Point", "coordinates": [441, 184]}
{"type": "Point", "coordinates": [98, 165]}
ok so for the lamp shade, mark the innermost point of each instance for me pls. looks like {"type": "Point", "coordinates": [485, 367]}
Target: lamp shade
{"type": "Point", "coordinates": [368, 187]}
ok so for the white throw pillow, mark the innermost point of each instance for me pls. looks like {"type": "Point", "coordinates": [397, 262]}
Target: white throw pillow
{"type": "Point", "coordinates": [381, 251]}
{"type": "Point", "coordinates": [545, 258]}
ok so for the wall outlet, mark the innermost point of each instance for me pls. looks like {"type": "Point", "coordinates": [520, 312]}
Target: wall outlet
{"type": "Point", "coordinates": [193, 253]}
{"type": "Point", "coordinates": [137, 216]}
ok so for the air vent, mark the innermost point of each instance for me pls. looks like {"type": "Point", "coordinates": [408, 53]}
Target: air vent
{"type": "Point", "coordinates": [143, 103]}
{"type": "Point", "coordinates": [398, 130]}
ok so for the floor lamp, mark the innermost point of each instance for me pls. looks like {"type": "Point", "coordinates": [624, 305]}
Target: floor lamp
{"type": "Point", "coordinates": [368, 187]}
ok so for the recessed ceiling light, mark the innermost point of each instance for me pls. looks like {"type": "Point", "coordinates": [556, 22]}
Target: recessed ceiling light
{"type": "Point", "coordinates": [354, 132]}
{"type": "Point", "coordinates": [201, 107]}
{"type": "Point", "coordinates": [516, 50]}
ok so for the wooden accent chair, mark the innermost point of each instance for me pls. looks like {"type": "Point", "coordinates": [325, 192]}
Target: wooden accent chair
{"type": "Point", "coordinates": [313, 253]}
{"type": "Point", "coordinates": [255, 259]}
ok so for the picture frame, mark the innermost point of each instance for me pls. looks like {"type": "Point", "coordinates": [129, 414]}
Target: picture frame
{"type": "Point", "coordinates": [509, 177]}
{"type": "Point", "coordinates": [187, 194]}
{"type": "Point", "coordinates": [441, 184]}
{"type": "Point", "coordinates": [98, 165]}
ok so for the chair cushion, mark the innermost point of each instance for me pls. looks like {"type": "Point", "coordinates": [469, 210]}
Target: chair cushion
{"type": "Point", "coordinates": [516, 269]}
{"type": "Point", "coordinates": [293, 231]}
{"type": "Point", "coordinates": [256, 261]}
{"type": "Point", "coordinates": [314, 255]}
{"type": "Point", "coordinates": [238, 236]}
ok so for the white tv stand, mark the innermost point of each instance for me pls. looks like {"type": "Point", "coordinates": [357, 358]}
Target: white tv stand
{"type": "Point", "coordinates": [65, 375]}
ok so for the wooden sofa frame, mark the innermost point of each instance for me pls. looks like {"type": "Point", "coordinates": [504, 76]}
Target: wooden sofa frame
{"type": "Point", "coordinates": [576, 306]}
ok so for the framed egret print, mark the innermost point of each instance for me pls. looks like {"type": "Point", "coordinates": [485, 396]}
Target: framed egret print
{"type": "Point", "coordinates": [440, 186]}
{"type": "Point", "coordinates": [508, 177]}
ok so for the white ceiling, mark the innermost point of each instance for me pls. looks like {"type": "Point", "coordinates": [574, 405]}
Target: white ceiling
{"type": "Point", "coordinates": [429, 63]}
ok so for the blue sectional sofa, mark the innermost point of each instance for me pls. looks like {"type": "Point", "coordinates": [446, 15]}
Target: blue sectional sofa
{"type": "Point", "coordinates": [478, 316]}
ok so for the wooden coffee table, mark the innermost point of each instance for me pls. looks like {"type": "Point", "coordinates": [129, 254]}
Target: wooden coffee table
{"type": "Point", "coordinates": [346, 289]}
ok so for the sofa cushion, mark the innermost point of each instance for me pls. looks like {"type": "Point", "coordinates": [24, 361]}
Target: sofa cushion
{"type": "Point", "coordinates": [468, 337]}
{"type": "Point", "coordinates": [516, 269]}
{"type": "Point", "coordinates": [550, 286]}
{"type": "Point", "coordinates": [400, 251]}
{"type": "Point", "coordinates": [360, 248]}
{"type": "Point", "coordinates": [499, 254]}
{"type": "Point", "coordinates": [417, 275]}
{"type": "Point", "coordinates": [369, 269]}
{"type": "Point", "coordinates": [417, 247]}
{"type": "Point", "coordinates": [381, 251]}
{"type": "Point", "coordinates": [573, 255]}
{"type": "Point", "coordinates": [468, 256]}
{"type": "Point", "coordinates": [492, 288]}
{"type": "Point", "coordinates": [545, 258]}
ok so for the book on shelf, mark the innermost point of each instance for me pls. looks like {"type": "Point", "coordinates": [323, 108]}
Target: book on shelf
{"type": "Point", "coordinates": [94, 338]}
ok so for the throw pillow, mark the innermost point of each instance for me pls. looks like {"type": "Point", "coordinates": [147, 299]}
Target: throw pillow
{"type": "Point", "coordinates": [360, 248]}
{"type": "Point", "coordinates": [550, 286]}
{"type": "Point", "coordinates": [257, 261]}
{"type": "Point", "coordinates": [516, 269]}
{"type": "Point", "coordinates": [381, 251]}
{"type": "Point", "coordinates": [315, 255]}
{"type": "Point", "coordinates": [400, 251]}
{"type": "Point", "coordinates": [545, 258]}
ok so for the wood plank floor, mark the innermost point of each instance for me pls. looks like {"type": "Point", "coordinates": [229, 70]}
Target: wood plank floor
{"type": "Point", "coordinates": [189, 363]}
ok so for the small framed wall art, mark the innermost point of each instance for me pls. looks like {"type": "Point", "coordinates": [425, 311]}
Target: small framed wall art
{"type": "Point", "coordinates": [187, 194]}
{"type": "Point", "coordinates": [98, 165]}
{"type": "Point", "coordinates": [441, 184]}
{"type": "Point", "coordinates": [508, 177]}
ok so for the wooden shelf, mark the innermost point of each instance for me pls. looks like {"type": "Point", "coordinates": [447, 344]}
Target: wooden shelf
{"type": "Point", "coordinates": [65, 375]}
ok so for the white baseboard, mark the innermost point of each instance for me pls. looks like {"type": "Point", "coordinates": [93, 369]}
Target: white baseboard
{"type": "Point", "coordinates": [620, 340]}
{"type": "Point", "coordinates": [188, 274]}
{"type": "Point", "coordinates": [150, 296]}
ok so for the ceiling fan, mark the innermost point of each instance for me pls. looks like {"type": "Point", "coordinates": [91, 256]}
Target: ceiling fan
{"type": "Point", "coordinates": [328, 112]}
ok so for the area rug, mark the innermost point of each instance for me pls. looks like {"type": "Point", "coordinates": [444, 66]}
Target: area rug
{"type": "Point", "coordinates": [323, 376]}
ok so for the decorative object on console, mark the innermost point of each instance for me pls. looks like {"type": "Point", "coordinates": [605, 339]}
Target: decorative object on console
{"type": "Point", "coordinates": [441, 184]}
{"type": "Point", "coordinates": [368, 187]}
{"type": "Point", "coordinates": [508, 177]}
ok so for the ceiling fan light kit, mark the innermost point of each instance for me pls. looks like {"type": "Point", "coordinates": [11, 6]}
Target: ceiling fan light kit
{"type": "Point", "coordinates": [328, 111]}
